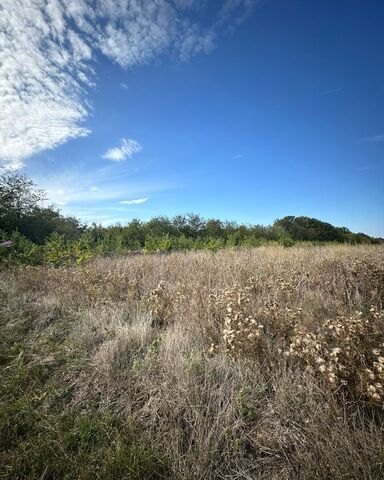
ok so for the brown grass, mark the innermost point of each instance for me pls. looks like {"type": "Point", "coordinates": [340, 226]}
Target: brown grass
{"type": "Point", "coordinates": [251, 364]}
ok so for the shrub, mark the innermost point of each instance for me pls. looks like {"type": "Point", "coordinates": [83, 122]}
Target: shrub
{"type": "Point", "coordinates": [19, 250]}
{"type": "Point", "coordinates": [158, 244]}
{"type": "Point", "coordinates": [57, 250]}
{"type": "Point", "coordinates": [214, 244]}
{"type": "Point", "coordinates": [241, 331]}
{"type": "Point", "coordinates": [347, 352]}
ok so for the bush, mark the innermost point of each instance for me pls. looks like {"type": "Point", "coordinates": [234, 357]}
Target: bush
{"type": "Point", "coordinates": [20, 250]}
{"type": "Point", "coordinates": [347, 352]}
{"type": "Point", "coordinates": [158, 244]}
{"type": "Point", "coordinates": [214, 244]}
{"type": "Point", "coordinates": [58, 251]}
{"type": "Point", "coordinates": [286, 242]}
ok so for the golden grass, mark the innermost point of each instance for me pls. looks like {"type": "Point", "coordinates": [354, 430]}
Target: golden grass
{"type": "Point", "coordinates": [254, 364]}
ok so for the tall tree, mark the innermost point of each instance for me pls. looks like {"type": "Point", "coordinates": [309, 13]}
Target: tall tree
{"type": "Point", "coordinates": [19, 196]}
{"type": "Point", "coordinates": [22, 208]}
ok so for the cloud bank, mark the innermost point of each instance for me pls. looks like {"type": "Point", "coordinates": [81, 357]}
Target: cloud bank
{"type": "Point", "coordinates": [48, 49]}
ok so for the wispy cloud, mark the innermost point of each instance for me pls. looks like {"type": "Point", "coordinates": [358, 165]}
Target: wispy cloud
{"type": "Point", "coordinates": [48, 49]}
{"type": "Point", "coordinates": [137, 201]}
{"type": "Point", "coordinates": [365, 168]}
{"type": "Point", "coordinates": [102, 186]}
{"type": "Point", "coordinates": [127, 148]}
{"type": "Point", "coordinates": [235, 12]}
{"type": "Point", "coordinates": [331, 91]}
{"type": "Point", "coordinates": [374, 139]}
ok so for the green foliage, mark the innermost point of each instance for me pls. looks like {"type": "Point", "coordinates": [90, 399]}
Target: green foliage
{"type": "Point", "coordinates": [158, 244]}
{"type": "Point", "coordinates": [286, 241]}
{"type": "Point", "coordinates": [214, 244]}
{"type": "Point", "coordinates": [21, 250]}
{"type": "Point", "coordinates": [243, 403]}
{"type": "Point", "coordinates": [58, 251]}
{"type": "Point", "coordinates": [22, 209]}
{"type": "Point", "coordinates": [83, 248]}
{"type": "Point", "coordinates": [311, 229]}
{"type": "Point", "coordinates": [19, 196]}
{"type": "Point", "coordinates": [183, 243]}
{"type": "Point", "coordinates": [252, 241]}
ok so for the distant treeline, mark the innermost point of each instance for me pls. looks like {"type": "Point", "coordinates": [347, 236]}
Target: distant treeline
{"type": "Point", "coordinates": [31, 232]}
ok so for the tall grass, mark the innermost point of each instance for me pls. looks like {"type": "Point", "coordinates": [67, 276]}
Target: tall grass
{"type": "Point", "coordinates": [255, 364]}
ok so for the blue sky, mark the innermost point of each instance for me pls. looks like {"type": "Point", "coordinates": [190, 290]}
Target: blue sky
{"type": "Point", "coordinates": [239, 110]}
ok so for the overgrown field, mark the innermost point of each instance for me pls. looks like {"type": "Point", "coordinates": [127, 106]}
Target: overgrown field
{"type": "Point", "coordinates": [263, 363]}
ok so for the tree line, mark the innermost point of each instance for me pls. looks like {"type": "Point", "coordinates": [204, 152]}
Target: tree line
{"type": "Point", "coordinates": [32, 232]}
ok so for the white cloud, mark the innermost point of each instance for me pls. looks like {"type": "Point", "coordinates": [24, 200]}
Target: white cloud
{"type": "Point", "coordinates": [94, 189]}
{"type": "Point", "coordinates": [40, 105]}
{"type": "Point", "coordinates": [47, 49]}
{"type": "Point", "coordinates": [134, 202]}
{"type": "Point", "coordinates": [374, 139]}
{"type": "Point", "coordinates": [127, 148]}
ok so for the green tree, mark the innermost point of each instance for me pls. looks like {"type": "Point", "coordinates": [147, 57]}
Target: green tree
{"type": "Point", "coordinates": [19, 196]}
{"type": "Point", "coordinates": [22, 208]}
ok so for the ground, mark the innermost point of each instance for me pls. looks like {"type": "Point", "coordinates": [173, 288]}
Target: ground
{"type": "Point", "coordinates": [262, 363]}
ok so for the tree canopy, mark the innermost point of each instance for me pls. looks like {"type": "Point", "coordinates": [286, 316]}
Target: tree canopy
{"type": "Point", "coordinates": [23, 209]}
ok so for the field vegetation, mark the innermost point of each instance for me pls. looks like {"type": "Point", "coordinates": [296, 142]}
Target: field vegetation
{"type": "Point", "coordinates": [245, 363]}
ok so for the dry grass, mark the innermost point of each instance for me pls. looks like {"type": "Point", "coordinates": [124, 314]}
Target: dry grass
{"type": "Point", "coordinates": [252, 364]}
